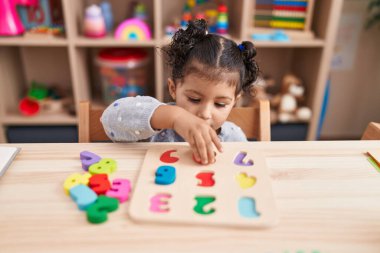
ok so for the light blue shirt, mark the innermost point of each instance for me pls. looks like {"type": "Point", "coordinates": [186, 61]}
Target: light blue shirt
{"type": "Point", "coordinates": [128, 120]}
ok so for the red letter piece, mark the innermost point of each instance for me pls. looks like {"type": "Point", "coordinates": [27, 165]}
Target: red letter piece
{"type": "Point", "coordinates": [99, 183]}
{"type": "Point", "coordinates": [206, 179]}
{"type": "Point", "coordinates": [167, 158]}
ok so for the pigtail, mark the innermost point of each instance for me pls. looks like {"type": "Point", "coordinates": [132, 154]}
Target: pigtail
{"type": "Point", "coordinates": [183, 41]}
{"type": "Point", "coordinates": [248, 51]}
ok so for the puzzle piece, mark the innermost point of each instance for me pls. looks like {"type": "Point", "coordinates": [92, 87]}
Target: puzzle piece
{"type": "Point", "coordinates": [83, 196]}
{"type": "Point", "coordinates": [247, 207]}
{"type": "Point", "coordinates": [165, 175]}
{"type": "Point", "coordinates": [202, 201]}
{"type": "Point", "coordinates": [167, 158]}
{"type": "Point", "coordinates": [120, 189]}
{"type": "Point", "coordinates": [200, 162]}
{"type": "Point", "coordinates": [75, 179]}
{"type": "Point", "coordinates": [105, 166]}
{"type": "Point", "coordinates": [88, 158]}
{"type": "Point", "coordinates": [239, 160]}
{"type": "Point", "coordinates": [206, 179]}
{"type": "Point", "coordinates": [99, 183]}
{"type": "Point", "coordinates": [98, 212]}
{"type": "Point", "coordinates": [245, 181]}
{"type": "Point", "coordinates": [159, 203]}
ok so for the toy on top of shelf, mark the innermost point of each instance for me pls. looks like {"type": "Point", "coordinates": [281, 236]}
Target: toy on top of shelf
{"type": "Point", "coordinates": [10, 23]}
{"type": "Point", "coordinates": [48, 13]}
{"type": "Point", "coordinates": [213, 11]}
{"type": "Point", "coordinates": [134, 28]}
{"type": "Point", "coordinates": [277, 35]}
{"type": "Point", "coordinates": [222, 21]}
{"type": "Point", "coordinates": [94, 24]}
{"type": "Point", "coordinates": [293, 16]}
{"type": "Point", "coordinates": [290, 102]}
{"type": "Point", "coordinates": [105, 6]}
{"type": "Point", "coordinates": [42, 99]}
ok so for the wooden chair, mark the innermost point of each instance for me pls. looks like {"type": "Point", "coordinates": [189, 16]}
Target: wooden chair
{"type": "Point", "coordinates": [372, 132]}
{"type": "Point", "coordinates": [254, 121]}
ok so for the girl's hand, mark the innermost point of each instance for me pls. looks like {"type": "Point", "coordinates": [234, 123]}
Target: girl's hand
{"type": "Point", "coordinates": [201, 137]}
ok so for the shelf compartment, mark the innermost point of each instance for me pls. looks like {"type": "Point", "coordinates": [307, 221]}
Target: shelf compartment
{"type": "Point", "coordinates": [92, 78]}
{"type": "Point", "coordinates": [121, 10]}
{"type": "Point", "coordinates": [20, 68]}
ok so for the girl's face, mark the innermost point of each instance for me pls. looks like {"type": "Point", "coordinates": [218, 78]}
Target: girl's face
{"type": "Point", "coordinates": [208, 100]}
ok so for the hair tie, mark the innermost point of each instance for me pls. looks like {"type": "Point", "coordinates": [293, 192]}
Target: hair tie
{"type": "Point", "coordinates": [241, 47]}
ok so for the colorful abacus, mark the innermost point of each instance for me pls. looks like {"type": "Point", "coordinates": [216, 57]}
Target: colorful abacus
{"type": "Point", "coordinates": [92, 190]}
{"type": "Point", "coordinates": [281, 14]}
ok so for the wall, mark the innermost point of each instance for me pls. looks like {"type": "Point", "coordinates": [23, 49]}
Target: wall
{"type": "Point", "coordinates": [355, 91]}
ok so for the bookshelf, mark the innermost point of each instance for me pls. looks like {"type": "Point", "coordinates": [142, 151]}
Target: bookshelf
{"type": "Point", "coordinates": [24, 59]}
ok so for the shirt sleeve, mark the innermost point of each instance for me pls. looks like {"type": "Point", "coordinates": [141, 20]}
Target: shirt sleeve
{"type": "Point", "coordinates": [128, 119]}
{"type": "Point", "coordinates": [232, 133]}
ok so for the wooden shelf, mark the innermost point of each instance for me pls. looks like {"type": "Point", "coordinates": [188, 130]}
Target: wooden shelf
{"type": "Point", "coordinates": [315, 43]}
{"type": "Point", "coordinates": [15, 118]}
{"type": "Point", "coordinates": [67, 62]}
{"type": "Point", "coordinates": [40, 41]}
{"type": "Point", "coordinates": [111, 42]}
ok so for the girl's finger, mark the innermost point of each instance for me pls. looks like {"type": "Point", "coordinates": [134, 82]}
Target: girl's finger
{"type": "Point", "coordinates": [209, 147]}
{"type": "Point", "coordinates": [216, 141]}
{"type": "Point", "coordinates": [195, 151]}
{"type": "Point", "coordinates": [201, 146]}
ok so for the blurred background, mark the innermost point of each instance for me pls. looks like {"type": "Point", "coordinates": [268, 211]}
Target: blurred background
{"type": "Point", "coordinates": [319, 60]}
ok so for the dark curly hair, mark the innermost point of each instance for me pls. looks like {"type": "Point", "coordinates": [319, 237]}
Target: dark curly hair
{"type": "Point", "coordinates": [212, 57]}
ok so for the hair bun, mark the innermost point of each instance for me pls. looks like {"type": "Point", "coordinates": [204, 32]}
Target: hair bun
{"type": "Point", "coordinates": [252, 69]}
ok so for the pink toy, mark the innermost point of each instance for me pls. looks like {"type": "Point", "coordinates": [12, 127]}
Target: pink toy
{"type": "Point", "coordinates": [120, 190]}
{"type": "Point", "coordinates": [10, 23]}
{"type": "Point", "coordinates": [94, 24]}
{"type": "Point", "coordinates": [133, 29]}
{"type": "Point", "coordinates": [159, 203]}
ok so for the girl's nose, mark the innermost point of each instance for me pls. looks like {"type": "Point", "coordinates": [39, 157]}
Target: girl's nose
{"type": "Point", "coordinates": [204, 113]}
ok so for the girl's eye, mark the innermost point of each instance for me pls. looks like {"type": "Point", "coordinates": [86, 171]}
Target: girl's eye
{"type": "Point", "coordinates": [194, 100]}
{"type": "Point", "coordinates": [220, 105]}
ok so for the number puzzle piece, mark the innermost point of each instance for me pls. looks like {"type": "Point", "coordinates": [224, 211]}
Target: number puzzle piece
{"type": "Point", "coordinates": [75, 179]}
{"type": "Point", "coordinates": [88, 158]}
{"type": "Point", "coordinates": [105, 166]}
{"type": "Point", "coordinates": [159, 203]}
{"type": "Point", "coordinates": [206, 179]}
{"type": "Point", "coordinates": [165, 175]}
{"type": "Point", "coordinates": [98, 212]}
{"type": "Point", "coordinates": [247, 207]}
{"type": "Point", "coordinates": [99, 183]}
{"type": "Point", "coordinates": [167, 158]}
{"type": "Point", "coordinates": [199, 161]}
{"type": "Point", "coordinates": [239, 159]}
{"type": "Point", "coordinates": [120, 190]}
{"type": "Point", "coordinates": [202, 201]}
{"type": "Point", "coordinates": [83, 196]}
{"type": "Point", "coordinates": [245, 181]}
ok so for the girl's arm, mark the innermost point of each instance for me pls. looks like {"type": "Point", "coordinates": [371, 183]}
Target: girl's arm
{"type": "Point", "coordinates": [128, 119]}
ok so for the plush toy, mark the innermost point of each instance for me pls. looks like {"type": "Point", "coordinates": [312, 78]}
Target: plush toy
{"type": "Point", "coordinates": [289, 104]}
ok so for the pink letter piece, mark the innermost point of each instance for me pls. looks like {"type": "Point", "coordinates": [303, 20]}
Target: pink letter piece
{"type": "Point", "coordinates": [159, 203]}
{"type": "Point", "coordinates": [120, 190]}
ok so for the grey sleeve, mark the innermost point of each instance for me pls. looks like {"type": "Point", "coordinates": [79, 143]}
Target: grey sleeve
{"type": "Point", "coordinates": [128, 119]}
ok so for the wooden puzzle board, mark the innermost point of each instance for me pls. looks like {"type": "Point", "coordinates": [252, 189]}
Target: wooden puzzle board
{"type": "Point", "coordinates": [226, 190]}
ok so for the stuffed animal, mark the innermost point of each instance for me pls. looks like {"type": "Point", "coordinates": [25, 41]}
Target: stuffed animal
{"type": "Point", "coordinates": [289, 104]}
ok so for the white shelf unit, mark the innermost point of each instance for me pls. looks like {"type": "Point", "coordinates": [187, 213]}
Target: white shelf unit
{"type": "Point", "coordinates": [68, 61]}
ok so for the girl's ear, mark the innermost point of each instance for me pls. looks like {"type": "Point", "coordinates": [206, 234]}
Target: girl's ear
{"type": "Point", "coordinates": [237, 99]}
{"type": "Point", "coordinates": [172, 88]}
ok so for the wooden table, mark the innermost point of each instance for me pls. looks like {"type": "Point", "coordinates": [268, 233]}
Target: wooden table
{"type": "Point", "coordinates": [327, 194]}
